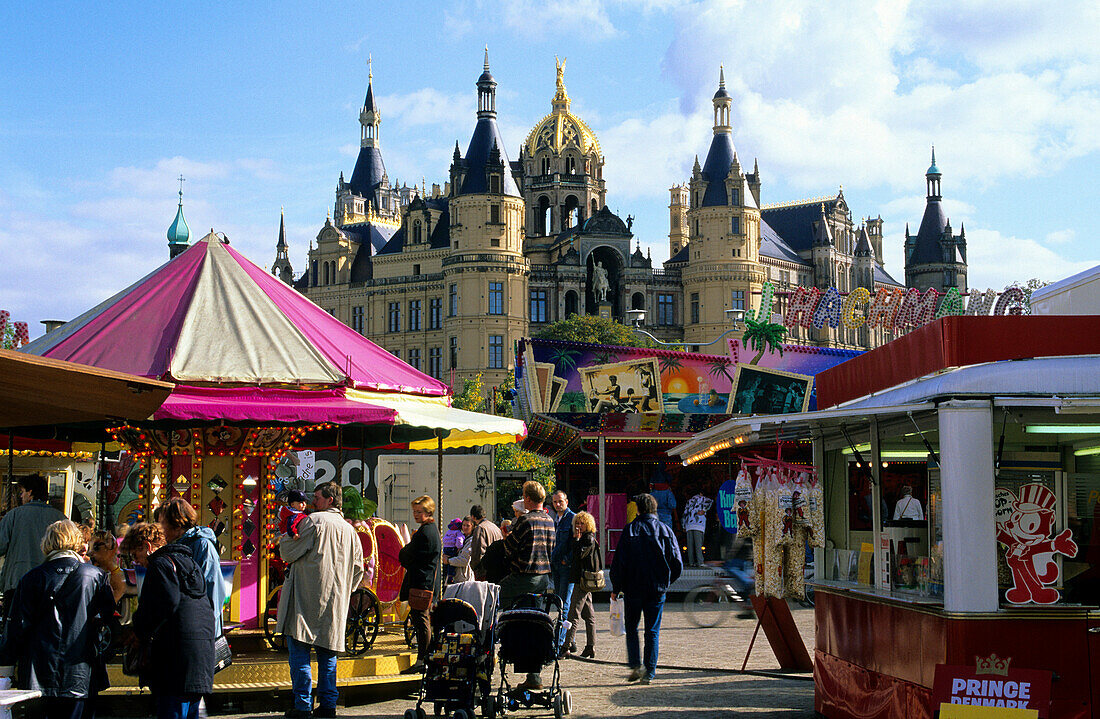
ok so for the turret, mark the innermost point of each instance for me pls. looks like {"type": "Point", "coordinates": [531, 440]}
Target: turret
{"type": "Point", "coordinates": [179, 234]}
{"type": "Point", "coordinates": [282, 268]}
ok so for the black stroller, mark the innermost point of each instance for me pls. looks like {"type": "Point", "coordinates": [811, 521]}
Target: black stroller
{"type": "Point", "coordinates": [458, 671]}
{"type": "Point", "coordinates": [530, 639]}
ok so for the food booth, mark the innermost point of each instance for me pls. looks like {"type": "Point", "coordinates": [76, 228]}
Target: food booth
{"type": "Point", "coordinates": [997, 576]}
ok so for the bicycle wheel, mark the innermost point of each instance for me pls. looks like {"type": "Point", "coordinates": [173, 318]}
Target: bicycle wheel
{"type": "Point", "coordinates": [707, 606]}
{"type": "Point", "coordinates": [271, 618]}
{"type": "Point", "coordinates": [364, 619]}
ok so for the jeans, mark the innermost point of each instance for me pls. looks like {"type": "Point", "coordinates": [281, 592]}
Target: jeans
{"type": "Point", "coordinates": [695, 548]}
{"type": "Point", "coordinates": [632, 612]}
{"type": "Point", "coordinates": [178, 706]}
{"type": "Point", "coordinates": [301, 679]}
{"type": "Point", "coordinates": [559, 575]}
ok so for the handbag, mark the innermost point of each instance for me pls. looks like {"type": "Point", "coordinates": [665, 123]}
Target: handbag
{"type": "Point", "coordinates": [136, 659]}
{"type": "Point", "coordinates": [593, 581]}
{"type": "Point", "coordinates": [420, 599]}
{"type": "Point", "coordinates": [223, 655]}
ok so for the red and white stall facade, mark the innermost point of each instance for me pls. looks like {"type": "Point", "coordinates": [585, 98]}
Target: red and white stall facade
{"type": "Point", "coordinates": [982, 436]}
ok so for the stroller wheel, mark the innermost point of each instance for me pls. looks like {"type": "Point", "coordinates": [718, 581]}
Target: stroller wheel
{"type": "Point", "coordinates": [410, 714]}
{"type": "Point", "coordinates": [421, 714]}
{"type": "Point", "coordinates": [567, 702]}
{"type": "Point", "coordinates": [462, 714]}
{"type": "Point", "coordinates": [559, 707]}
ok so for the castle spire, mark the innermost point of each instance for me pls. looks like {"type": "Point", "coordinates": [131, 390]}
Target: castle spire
{"type": "Point", "coordinates": [561, 97]}
{"type": "Point", "coordinates": [932, 178]}
{"type": "Point", "coordinates": [722, 103]}
{"type": "Point", "coordinates": [370, 117]}
{"type": "Point", "coordinates": [179, 234]}
{"type": "Point", "coordinates": [486, 91]}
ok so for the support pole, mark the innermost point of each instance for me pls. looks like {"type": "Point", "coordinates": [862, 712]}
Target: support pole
{"type": "Point", "coordinates": [876, 509]}
{"type": "Point", "coordinates": [603, 499]}
{"type": "Point", "coordinates": [439, 509]}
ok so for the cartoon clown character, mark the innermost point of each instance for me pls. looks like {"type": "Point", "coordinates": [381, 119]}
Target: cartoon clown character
{"type": "Point", "coordinates": [1030, 548]}
{"type": "Point", "coordinates": [743, 516]}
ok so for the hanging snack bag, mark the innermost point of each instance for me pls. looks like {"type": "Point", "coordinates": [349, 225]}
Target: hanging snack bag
{"type": "Point", "coordinates": [772, 535]}
{"type": "Point", "coordinates": [815, 503]}
{"type": "Point", "coordinates": [799, 500]}
{"type": "Point", "coordinates": [785, 499]}
{"type": "Point", "coordinates": [743, 504]}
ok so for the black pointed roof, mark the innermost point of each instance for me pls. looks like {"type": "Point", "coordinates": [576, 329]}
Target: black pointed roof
{"type": "Point", "coordinates": [863, 244]}
{"type": "Point", "coordinates": [368, 173]}
{"type": "Point", "coordinates": [281, 244]}
{"type": "Point", "coordinates": [717, 168]}
{"type": "Point", "coordinates": [927, 248]}
{"type": "Point", "coordinates": [486, 137]}
{"type": "Point", "coordinates": [368, 104]}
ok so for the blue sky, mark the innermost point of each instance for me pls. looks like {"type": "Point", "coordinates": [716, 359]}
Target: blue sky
{"type": "Point", "coordinates": [103, 105]}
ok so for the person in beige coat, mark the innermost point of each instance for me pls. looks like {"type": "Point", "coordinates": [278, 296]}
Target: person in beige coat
{"type": "Point", "coordinates": [325, 565]}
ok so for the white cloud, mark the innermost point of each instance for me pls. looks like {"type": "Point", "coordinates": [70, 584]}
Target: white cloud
{"type": "Point", "coordinates": [428, 106]}
{"type": "Point", "coordinates": [643, 158]}
{"type": "Point", "coordinates": [1060, 237]}
{"type": "Point", "coordinates": [995, 259]}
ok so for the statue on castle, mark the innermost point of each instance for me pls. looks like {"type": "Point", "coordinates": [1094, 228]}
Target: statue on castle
{"type": "Point", "coordinates": [600, 284]}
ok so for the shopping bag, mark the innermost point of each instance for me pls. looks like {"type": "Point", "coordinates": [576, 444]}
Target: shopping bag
{"type": "Point", "coordinates": [618, 626]}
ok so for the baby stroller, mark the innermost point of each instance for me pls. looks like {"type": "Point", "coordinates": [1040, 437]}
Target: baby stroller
{"type": "Point", "coordinates": [458, 671]}
{"type": "Point", "coordinates": [530, 639]}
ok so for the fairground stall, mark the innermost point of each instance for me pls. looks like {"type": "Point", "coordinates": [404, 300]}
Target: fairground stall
{"type": "Point", "coordinates": [960, 561]}
{"type": "Point", "coordinates": [260, 370]}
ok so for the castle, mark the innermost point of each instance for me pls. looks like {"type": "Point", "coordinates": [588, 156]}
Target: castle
{"type": "Point", "coordinates": [449, 278]}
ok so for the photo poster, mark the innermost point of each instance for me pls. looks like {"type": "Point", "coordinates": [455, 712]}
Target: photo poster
{"type": "Point", "coordinates": [758, 390]}
{"type": "Point", "coordinates": [689, 382]}
{"type": "Point", "coordinates": [629, 386]}
{"type": "Point", "coordinates": [556, 393]}
{"type": "Point", "coordinates": [800, 359]}
{"type": "Point", "coordinates": [544, 375]}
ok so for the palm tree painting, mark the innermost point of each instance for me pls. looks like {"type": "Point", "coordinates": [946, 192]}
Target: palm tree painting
{"type": "Point", "coordinates": [720, 366]}
{"type": "Point", "coordinates": [763, 336]}
{"type": "Point", "coordinates": [565, 357]}
{"type": "Point", "coordinates": [573, 402]}
{"type": "Point", "coordinates": [670, 363]}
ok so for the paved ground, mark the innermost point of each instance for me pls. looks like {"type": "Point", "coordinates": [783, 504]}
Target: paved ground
{"type": "Point", "coordinates": [695, 678]}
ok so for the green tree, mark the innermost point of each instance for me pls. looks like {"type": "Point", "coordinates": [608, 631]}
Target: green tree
{"type": "Point", "coordinates": [763, 336]}
{"type": "Point", "coordinates": [595, 330]}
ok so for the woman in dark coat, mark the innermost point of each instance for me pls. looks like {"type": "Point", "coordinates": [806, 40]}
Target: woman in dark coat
{"type": "Point", "coordinates": [420, 558]}
{"type": "Point", "coordinates": [52, 633]}
{"type": "Point", "coordinates": [174, 617]}
{"type": "Point", "coordinates": [586, 558]}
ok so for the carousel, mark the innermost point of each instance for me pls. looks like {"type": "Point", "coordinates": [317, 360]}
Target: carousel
{"type": "Point", "coordinates": [258, 371]}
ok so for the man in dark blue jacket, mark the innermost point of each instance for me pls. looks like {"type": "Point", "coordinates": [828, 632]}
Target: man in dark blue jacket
{"type": "Point", "coordinates": [561, 561]}
{"type": "Point", "coordinates": [647, 561]}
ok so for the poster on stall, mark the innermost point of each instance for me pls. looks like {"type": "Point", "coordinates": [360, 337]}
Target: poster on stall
{"type": "Point", "coordinates": [991, 683]}
{"type": "Point", "coordinates": [727, 506]}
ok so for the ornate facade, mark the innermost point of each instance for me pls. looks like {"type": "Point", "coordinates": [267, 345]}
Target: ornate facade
{"type": "Point", "coordinates": [449, 278]}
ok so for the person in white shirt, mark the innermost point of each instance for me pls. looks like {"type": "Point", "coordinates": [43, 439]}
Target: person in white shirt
{"type": "Point", "coordinates": [908, 507]}
{"type": "Point", "coordinates": [695, 525]}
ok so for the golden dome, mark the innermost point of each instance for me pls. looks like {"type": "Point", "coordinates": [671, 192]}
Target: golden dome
{"type": "Point", "coordinates": [561, 129]}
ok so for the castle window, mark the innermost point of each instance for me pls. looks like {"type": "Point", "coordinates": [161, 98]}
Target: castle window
{"type": "Point", "coordinates": [314, 273]}
{"type": "Point", "coordinates": [327, 281]}
{"type": "Point", "coordinates": [735, 225]}
{"type": "Point", "coordinates": [414, 316]}
{"type": "Point", "coordinates": [454, 300]}
{"type": "Point", "coordinates": [695, 308]}
{"type": "Point", "coordinates": [414, 358]}
{"type": "Point", "coordinates": [394, 315]}
{"type": "Point", "coordinates": [736, 253]}
{"type": "Point", "coordinates": [496, 351]}
{"type": "Point", "coordinates": [495, 242]}
{"type": "Point", "coordinates": [494, 214]}
{"type": "Point", "coordinates": [572, 300]}
{"type": "Point", "coordinates": [494, 183]}
{"type": "Point", "coordinates": [735, 197]}
{"type": "Point", "coordinates": [357, 319]}
{"type": "Point", "coordinates": [546, 165]}
{"type": "Point", "coordinates": [737, 300]}
{"type": "Point", "coordinates": [665, 314]}
{"type": "Point", "coordinates": [570, 165]}
{"type": "Point", "coordinates": [496, 298]}
{"type": "Point", "coordinates": [435, 362]}
{"type": "Point", "coordinates": [416, 269]}
{"type": "Point", "coordinates": [435, 313]}
{"type": "Point", "coordinates": [539, 304]}
{"type": "Point", "coordinates": [416, 232]}
{"type": "Point", "coordinates": [454, 353]}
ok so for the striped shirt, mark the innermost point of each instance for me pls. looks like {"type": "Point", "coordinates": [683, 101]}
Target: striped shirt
{"type": "Point", "coordinates": [528, 546]}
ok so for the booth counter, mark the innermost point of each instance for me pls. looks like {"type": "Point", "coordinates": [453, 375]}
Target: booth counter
{"type": "Point", "coordinates": [1003, 568]}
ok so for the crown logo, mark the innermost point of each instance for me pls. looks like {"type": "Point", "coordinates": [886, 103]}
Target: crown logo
{"type": "Point", "coordinates": [992, 665]}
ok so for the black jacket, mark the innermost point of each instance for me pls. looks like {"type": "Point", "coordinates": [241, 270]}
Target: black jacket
{"type": "Point", "coordinates": [49, 634]}
{"type": "Point", "coordinates": [420, 558]}
{"type": "Point", "coordinates": [493, 562]}
{"type": "Point", "coordinates": [647, 560]}
{"type": "Point", "coordinates": [586, 556]}
{"type": "Point", "coordinates": [174, 613]}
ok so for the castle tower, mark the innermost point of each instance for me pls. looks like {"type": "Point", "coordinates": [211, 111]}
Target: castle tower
{"type": "Point", "coordinates": [368, 196]}
{"type": "Point", "coordinates": [282, 268]}
{"type": "Point", "coordinates": [179, 234]}
{"type": "Point", "coordinates": [935, 256]}
{"type": "Point", "coordinates": [677, 219]}
{"type": "Point", "coordinates": [562, 170]}
{"type": "Point", "coordinates": [723, 270]}
{"type": "Point", "coordinates": [486, 274]}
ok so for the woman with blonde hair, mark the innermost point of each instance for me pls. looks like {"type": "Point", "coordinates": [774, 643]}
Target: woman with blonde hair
{"type": "Point", "coordinates": [586, 558]}
{"type": "Point", "coordinates": [420, 558]}
{"type": "Point", "coordinates": [53, 631]}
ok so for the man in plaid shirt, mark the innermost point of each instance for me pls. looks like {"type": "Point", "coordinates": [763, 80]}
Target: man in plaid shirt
{"type": "Point", "coordinates": [527, 550]}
